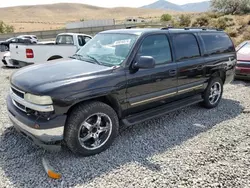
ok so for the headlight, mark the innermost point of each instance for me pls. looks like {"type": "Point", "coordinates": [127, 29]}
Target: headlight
{"type": "Point", "coordinates": [42, 100]}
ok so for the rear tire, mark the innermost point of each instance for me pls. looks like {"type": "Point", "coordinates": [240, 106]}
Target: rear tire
{"type": "Point", "coordinates": [213, 93]}
{"type": "Point", "coordinates": [91, 128]}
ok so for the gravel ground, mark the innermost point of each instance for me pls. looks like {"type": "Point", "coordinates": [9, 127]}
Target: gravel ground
{"type": "Point", "coordinates": [193, 147]}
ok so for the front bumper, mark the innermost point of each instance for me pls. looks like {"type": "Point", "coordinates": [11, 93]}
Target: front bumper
{"type": "Point", "coordinates": [49, 130]}
{"type": "Point", "coordinates": [242, 73]}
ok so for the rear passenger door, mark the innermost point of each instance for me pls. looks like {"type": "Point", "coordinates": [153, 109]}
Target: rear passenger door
{"type": "Point", "coordinates": [190, 63]}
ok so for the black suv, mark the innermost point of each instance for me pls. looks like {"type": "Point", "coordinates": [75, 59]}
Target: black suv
{"type": "Point", "coordinates": [119, 78]}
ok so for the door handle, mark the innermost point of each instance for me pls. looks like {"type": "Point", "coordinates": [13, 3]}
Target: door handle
{"type": "Point", "coordinates": [200, 67]}
{"type": "Point", "coordinates": [172, 72]}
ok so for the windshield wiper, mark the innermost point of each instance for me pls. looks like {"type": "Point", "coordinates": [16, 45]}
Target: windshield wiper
{"type": "Point", "coordinates": [75, 56]}
{"type": "Point", "coordinates": [91, 57]}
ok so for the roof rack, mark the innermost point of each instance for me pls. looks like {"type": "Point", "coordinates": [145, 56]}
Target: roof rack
{"type": "Point", "coordinates": [189, 28]}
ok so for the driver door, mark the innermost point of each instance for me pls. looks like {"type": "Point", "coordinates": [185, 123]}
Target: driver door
{"type": "Point", "coordinates": [149, 88]}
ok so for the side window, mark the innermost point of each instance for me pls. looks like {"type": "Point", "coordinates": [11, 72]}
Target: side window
{"type": "Point", "coordinates": [158, 47]}
{"type": "Point", "coordinates": [81, 40]}
{"type": "Point", "coordinates": [65, 39]}
{"type": "Point", "coordinates": [186, 47]}
{"type": "Point", "coordinates": [217, 43]}
{"type": "Point", "coordinates": [87, 39]}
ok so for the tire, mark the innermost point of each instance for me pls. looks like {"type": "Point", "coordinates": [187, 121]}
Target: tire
{"type": "Point", "coordinates": [208, 102]}
{"type": "Point", "coordinates": [78, 128]}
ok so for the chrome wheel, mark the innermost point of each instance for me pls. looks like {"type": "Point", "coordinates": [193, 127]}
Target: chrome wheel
{"type": "Point", "coordinates": [215, 93]}
{"type": "Point", "coordinates": [95, 131]}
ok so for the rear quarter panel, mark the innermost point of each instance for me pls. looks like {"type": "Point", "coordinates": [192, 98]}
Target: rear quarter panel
{"type": "Point", "coordinates": [41, 52]}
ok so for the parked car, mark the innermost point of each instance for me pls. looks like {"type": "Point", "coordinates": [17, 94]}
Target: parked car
{"type": "Point", "coordinates": [8, 62]}
{"type": "Point", "coordinates": [32, 38]}
{"type": "Point", "coordinates": [66, 45]}
{"type": "Point", "coordinates": [243, 63]}
{"type": "Point", "coordinates": [5, 45]}
{"type": "Point", "coordinates": [120, 77]}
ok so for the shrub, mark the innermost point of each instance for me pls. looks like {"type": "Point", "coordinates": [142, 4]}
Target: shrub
{"type": "Point", "coordinates": [221, 23]}
{"type": "Point", "coordinates": [201, 21]}
{"type": "Point", "coordinates": [4, 28]}
{"type": "Point", "coordinates": [166, 17]}
{"type": "Point", "coordinates": [246, 35]}
{"type": "Point", "coordinates": [232, 32]}
{"type": "Point", "coordinates": [214, 14]}
{"type": "Point", "coordinates": [185, 20]}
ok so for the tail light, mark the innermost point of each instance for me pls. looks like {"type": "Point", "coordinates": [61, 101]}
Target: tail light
{"type": "Point", "coordinates": [29, 53]}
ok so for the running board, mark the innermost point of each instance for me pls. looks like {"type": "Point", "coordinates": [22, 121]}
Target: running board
{"type": "Point", "coordinates": [161, 110]}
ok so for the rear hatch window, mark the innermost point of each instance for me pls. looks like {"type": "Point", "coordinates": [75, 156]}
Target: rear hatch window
{"type": "Point", "coordinates": [65, 39]}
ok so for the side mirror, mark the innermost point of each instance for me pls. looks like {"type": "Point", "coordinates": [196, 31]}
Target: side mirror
{"type": "Point", "coordinates": [145, 62]}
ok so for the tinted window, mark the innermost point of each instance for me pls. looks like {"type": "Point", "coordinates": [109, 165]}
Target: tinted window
{"type": "Point", "coordinates": [87, 39]}
{"type": "Point", "coordinates": [186, 46]}
{"type": "Point", "coordinates": [65, 39]}
{"type": "Point", "coordinates": [217, 43]}
{"type": "Point", "coordinates": [158, 47]}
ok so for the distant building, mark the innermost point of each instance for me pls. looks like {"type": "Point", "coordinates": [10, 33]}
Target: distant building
{"type": "Point", "coordinates": [90, 23]}
{"type": "Point", "coordinates": [134, 20]}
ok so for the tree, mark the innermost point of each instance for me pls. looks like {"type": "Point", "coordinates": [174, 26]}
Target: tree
{"type": "Point", "coordinates": [4, 28]}
{"type": "Point", "coordinates": [185, 20]}
{"type": "Point", "coordinates": [231, 6]}
{"type": "Point", "coordinates": [166, 17]}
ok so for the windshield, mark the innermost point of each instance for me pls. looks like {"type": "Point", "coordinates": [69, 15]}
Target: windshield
{"type": "Point", "coordinates": [107, 49]}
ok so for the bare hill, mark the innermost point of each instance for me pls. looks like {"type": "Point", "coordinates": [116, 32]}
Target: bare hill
{"type": "Point", "coordinates": [53, 16]}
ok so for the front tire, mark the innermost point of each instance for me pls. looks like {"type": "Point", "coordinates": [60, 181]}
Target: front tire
{"type": "Point", "coordinates": [91, 128]}
{"type": "Point", "coordinates": [213, 93]}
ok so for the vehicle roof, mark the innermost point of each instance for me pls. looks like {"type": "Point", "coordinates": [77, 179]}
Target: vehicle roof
{"type": "Point", "coordinates": [150, 30]}
{"type": "Point", "coordinates": [74, 34]}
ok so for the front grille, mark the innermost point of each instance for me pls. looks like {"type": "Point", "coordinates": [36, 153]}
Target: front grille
{"type": "Point", "coordinates": [20, 106]}
{"type": "Point", "coordinates": [18, 92]}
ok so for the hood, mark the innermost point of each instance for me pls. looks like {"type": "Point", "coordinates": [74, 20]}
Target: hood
{"type": "Point", "coordinates": [59, 71]}
{"type": "Point", "coordinates": [243, 56]}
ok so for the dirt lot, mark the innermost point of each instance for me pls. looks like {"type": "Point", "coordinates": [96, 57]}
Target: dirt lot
{"type": "Point", "coordinates": [193, 147]}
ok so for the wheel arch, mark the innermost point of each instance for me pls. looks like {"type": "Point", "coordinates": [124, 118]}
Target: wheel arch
{"type": "Point", "coordinates": [107, 99]}
{"type": "Point", "coordinates": [219, 73]}
{"type": "Point", "coordinates": [55, 57]}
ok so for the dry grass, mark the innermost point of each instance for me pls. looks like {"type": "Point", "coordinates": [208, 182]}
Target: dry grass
{"type": "Point", "coordinates": [46, 17]}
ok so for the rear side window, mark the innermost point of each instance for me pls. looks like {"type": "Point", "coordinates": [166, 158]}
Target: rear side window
{"type": "Point", "coordinates": [65, 39]}
{"type": "Point", "coordinates": [186, 46]}
{"type": "Point", "coordinates": [217, 43]}
{"type": "Point", "coordinates": [158, 47]}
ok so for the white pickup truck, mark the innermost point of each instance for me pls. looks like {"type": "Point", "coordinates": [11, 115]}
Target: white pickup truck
{"type": "Point", "coordinates": [66, 45]}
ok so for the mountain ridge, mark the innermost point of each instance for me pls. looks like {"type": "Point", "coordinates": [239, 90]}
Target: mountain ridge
{"type": "Point", "coordinates": [189, 7]}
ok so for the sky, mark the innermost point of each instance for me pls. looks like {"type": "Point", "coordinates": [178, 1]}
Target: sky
{"type": "Point", "coordinates": [100, 3]}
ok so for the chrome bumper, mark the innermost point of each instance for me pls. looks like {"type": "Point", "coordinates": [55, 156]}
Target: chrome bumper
{"type": "Point", "coordinates": [44, 135]}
